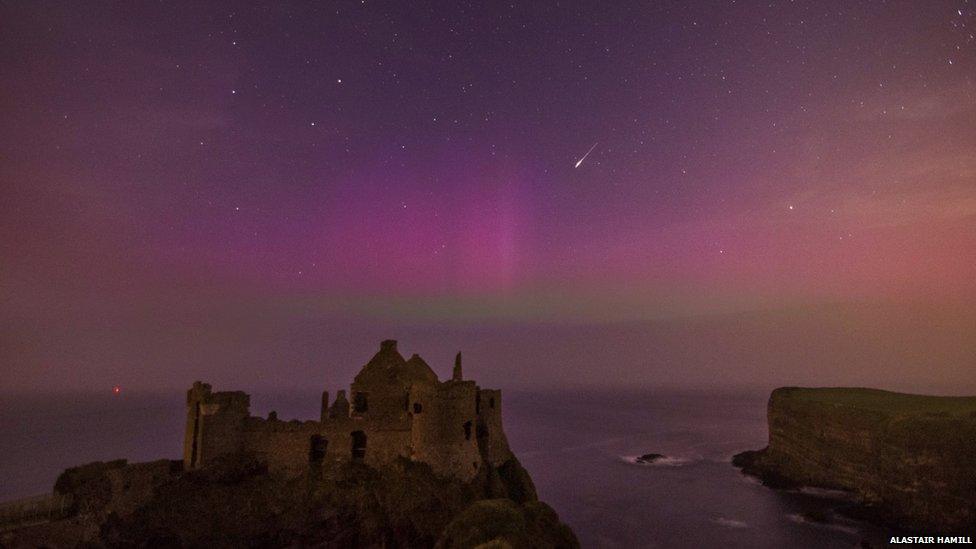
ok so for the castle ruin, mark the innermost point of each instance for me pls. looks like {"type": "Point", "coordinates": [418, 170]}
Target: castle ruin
{"type": "Point", "coordinates": [396, 408]}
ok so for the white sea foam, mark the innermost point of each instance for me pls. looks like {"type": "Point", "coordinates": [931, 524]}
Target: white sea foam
{"type": "Point", "coordinates": [825, 493]}
{"type": "Point", "coordinates": [749, 479]}
{"type": "Point", "coordinates": [731, 523]}
{"type": "Point", "coordinates": [800, 519]}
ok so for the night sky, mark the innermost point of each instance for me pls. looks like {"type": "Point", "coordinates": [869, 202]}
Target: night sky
{"type": "Point", "coordinates": [775, 192]}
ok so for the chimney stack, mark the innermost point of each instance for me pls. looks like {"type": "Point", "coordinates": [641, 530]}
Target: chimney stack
{"type": "Point", "coordinates": [457, 368]}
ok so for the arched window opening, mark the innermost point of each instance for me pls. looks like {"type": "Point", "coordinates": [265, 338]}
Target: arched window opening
{"type": "Point", "coordinates": [360, 403]}
{"type": "Point", "coordinates": [467, 430]}
{"type": "Point", "coordinates": [358, 445]}
{"type": "Point", "coordinates": [417, 408]}
{"type": "Point", "coordinates": [317, 446]}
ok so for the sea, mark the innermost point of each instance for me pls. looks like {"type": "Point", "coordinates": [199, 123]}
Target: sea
{"type": "Point", "coordinates": [580, 448]}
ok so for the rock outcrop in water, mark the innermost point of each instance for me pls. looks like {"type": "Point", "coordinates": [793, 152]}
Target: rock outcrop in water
{"type": "Point", "coordinates": [909, 459]}
{"type": "Point", "coordinates": [413, 462]}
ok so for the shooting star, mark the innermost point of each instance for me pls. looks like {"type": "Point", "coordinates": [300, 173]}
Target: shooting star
{"type": "Point", "coordinates": [580, 161]}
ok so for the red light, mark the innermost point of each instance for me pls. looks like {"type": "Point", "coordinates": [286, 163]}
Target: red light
{"type": "Point", "coordinates": [117, 389]}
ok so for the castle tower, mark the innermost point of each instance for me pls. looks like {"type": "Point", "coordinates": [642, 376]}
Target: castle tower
{"type": "Point", "coordinates": [214, 424]}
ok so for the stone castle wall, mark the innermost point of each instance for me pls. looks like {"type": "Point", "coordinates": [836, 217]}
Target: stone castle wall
{"type": "Point", "coordinates": [284, 445]}
{"type": "Point", "coordinates": [397, 409]}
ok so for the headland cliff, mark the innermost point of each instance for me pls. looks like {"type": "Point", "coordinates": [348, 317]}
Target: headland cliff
{"type": "Point", "coordinates": [910, 460]}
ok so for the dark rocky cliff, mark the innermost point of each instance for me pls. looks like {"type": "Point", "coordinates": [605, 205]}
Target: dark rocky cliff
{"type": "Point", "coordinates": [237, 502]}
{"type": "Point", "coordinates": [909, 459]}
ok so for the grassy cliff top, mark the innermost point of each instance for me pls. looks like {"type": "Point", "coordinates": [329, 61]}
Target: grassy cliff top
{"type": "Point", "coordinates": [880, 401]}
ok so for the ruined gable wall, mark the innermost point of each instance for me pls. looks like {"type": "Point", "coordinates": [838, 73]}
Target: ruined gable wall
{"type": "Point", "coordinates": [383, 400]}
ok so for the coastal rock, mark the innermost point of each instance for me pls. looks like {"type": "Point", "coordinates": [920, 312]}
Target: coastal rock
{"type": "Point", "coordinates": [504, 523]}
{"type": "Point", "coordinates": [909, 459]}
{"type": "Point", "coordinates": [648, 459]}
{"type": "Point", "coordinates": [236, 501]}
{"type": "Point", "coordinates": [410, 462]}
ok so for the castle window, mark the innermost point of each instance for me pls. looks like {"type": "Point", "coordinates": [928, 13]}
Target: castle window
{"type": "Point", "coordinates": [316, 449]}
{"type": "Point", "coordinates": [467, 430]}
{"type": "Point", "coordinates": [360, 403]}
{"type": "Point", "coordinates": [417, 408]}
{"type": "Point", "coordinates": [358, 445]}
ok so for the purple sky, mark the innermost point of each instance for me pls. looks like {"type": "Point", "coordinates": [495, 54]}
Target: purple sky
{"type": "Point", "coordinates": [219, 191]}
